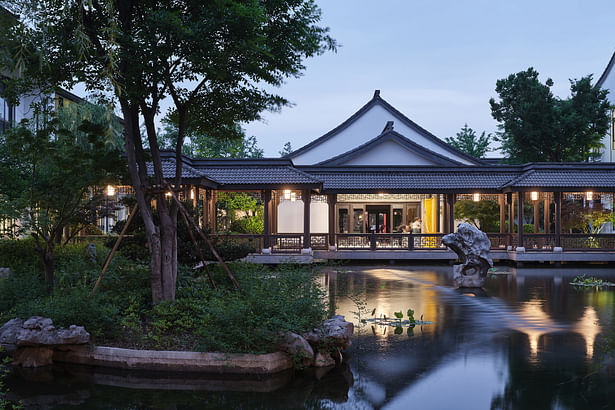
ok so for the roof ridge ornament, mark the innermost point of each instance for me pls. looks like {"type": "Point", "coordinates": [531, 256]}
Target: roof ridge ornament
{"type": "Point", "coordinates": [388, 127]}
{"type": "Point", "coordinates": [376, 94]}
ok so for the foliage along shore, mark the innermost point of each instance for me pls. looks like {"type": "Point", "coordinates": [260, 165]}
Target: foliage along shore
{"type": "Point", "coordinates": [121, 312]}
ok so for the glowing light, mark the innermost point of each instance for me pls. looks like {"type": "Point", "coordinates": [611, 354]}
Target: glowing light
{"type": "Point", "coordinates": [192, 194]}
{"type": "Point", "coordinates": [381, 195]}
{"type": "Point", "coordinates": [110, 190]}
{"type": "Point", "coordinates": [476, 197]}
{"type": "Point", "coordinates": [293, 197]}
{"type": "Point", "coordinates": [534, 196]}
{"type": "Point", "coordinates": [168, 194]}
{"type": "Point", "coordinates": [589, 195]}
{"type": "Point", "coordinates": [287, 194]}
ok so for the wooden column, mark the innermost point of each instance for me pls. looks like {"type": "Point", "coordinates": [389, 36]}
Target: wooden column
{"type": "Point", "coordinates": [197, 203]}
{"type": "Point", "coordinates": [437, 212]}
{"type": "Point", "coordinates": [331, 200]}
{"type": "Point", "coordinates": [520, 217]}
{"type": "Point", "coordinates": [511, 217]}
{"type": "Point", "coordinates": [266, 218]}
{"type": "Point", "coordinates": [307, 197]}
{"type": "Point", "coordinates": [206, 209]}
{"type": "Point", "coordinates": [212, 211]}
{"type": "Point", "coordinates": [502, 202]}
{"type": "Point", "coordinates": [547, 221]}
{"type": "Point", "coordinates": [445, 225]}
{"type": "Point", "coordinates": [536, 216]}
{"type": "Point", "coordinates": [557, 196]}
{"type": "Point", "coordinates": [451, 212]}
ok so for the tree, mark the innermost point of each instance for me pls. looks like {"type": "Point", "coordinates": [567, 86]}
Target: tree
{"type": "Point", "coordinates": [287, 149]}
{"type": "Point", "coordinates": [467, 141]}
{"type": "Point", "coordinates": [535, 126]}
{"type": "Point", "coordinates": [197, 145]}
{"type": "Point", "coordinates": [485, 212]}
{"type": "Point", "coordinates": [53, 168]}
{"type": "Point", "coordinates": [212, 59]}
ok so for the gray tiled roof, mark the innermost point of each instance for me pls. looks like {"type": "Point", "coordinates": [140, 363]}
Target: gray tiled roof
{"type": "Point", "coordinates": [168, 170]}
{"type": "Point", "coordinates": [259, 175]}
{"type": "Point", "coordinates": [594, 178]}
{"type": "Point", "coordinates": [411, 180]}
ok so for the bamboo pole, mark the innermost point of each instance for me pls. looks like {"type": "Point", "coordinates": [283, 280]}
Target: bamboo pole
{"type": "Point", "coordinates": [115, 246]}
{"type": "Point", "coordinates": [198, 250]}
{"type": "Point", "coordinates": [201, 234]}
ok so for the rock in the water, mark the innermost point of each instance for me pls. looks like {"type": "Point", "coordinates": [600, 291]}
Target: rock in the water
{"type": "Point", "coordinates": [338, 331]}
{"type": "Point", "coordinates": [33, 356]}
{"type": "Point", "coordinates": [9, 331]}
{"type": "Point", "coordinates": [37, 337]}
{"type": "Point", "coordinates": [298, 347]}
{"type": "Point", "coordinates": [472, 248]}
{"type": "Point", "coordinates": [323, 359]}
{"type": "Point", "coordinates": [5, 272]}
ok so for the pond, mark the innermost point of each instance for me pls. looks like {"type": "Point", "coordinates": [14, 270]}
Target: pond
{"type": "Point", "coordinates": [530, 340]}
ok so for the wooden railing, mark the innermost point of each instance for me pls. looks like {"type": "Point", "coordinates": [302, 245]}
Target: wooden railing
{"type": "Point", "coordinates": [538, 241]}
{"type": "Point", "coordinates": [286, 242]}
{"type": "Point", "coordinates": [388, 241]}
{"type": "Point", "coordinates": [293, 243]}
{"type": "Point", "coordinates": [588, 242]}
{"type": "Point", "coordinates": [319, 241]}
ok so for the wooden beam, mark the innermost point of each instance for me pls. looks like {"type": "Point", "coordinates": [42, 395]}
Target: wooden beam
{"type": "Point", "coordinates": [331, 200]}
{"type": "Point", "coordinates": [520, 202]}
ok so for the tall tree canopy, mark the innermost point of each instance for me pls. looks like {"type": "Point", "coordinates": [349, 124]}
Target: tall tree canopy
{"type": "Point", "coordinates": [198, 145]}
{"type": "Point", "coordinates": [467, 141]}
{"type": "Point", "coordinates": [51, 165]}
{"type": "Point", "coordinates": [215, 60]}
{"type": "Point", "coordinates": [535, 126]}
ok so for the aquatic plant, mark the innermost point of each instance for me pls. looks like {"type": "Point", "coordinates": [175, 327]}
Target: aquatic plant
{"type": "Point", "coordinates": [592, 281]}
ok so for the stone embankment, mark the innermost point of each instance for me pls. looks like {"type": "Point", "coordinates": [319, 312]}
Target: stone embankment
{"type": "Point", "coordinates": [37, 342]}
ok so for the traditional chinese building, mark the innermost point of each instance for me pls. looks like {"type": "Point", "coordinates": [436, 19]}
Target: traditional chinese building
{"type": "Point", "coordinates": [381, 186]}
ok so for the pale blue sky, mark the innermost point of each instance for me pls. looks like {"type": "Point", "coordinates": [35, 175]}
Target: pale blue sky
{"type": "Point", "coordinates": [437, 61]}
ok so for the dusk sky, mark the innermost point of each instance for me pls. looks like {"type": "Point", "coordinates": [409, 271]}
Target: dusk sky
{"type": "Point", "coordinates": [437, 61]}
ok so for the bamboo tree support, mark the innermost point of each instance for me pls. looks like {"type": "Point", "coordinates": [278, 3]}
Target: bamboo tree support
{"type": "Point", "coordinates": [184, 212]}
{"type": "Point", "coordinates": [115, 246]}
{"type": "Point", "coordinates": [198, 250]}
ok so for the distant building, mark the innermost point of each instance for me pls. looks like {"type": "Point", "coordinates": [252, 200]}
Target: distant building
{"type": "Point", "coordinates": [607, 81]}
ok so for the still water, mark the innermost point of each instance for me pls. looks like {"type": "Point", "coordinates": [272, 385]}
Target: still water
{"type": "Point", "coordinates": [529, 341]}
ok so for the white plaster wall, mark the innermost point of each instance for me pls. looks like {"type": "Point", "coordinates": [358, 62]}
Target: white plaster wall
{"type": "Point", "coordinates": [364, 129]}
{"type": "Point", "coordinates": [608, 154]}
{"type": "Point", "coordinates": [319, 217]}
{"type": "Point", "coordinates": [290, 217]}
{"type": "Point", "coordinates": [389, 153]}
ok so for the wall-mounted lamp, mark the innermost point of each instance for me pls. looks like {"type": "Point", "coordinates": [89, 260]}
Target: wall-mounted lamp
{"type": "Point", "coordinates": [476, 197]}
{"type": "Point", "coordinates": [589, 195]}
{"type": "Point", "coordinates": [287, 194]}
{"type": "Point", "coordinates": [534, 196]}
{"type": "Point", "coordinates": [110, 190]}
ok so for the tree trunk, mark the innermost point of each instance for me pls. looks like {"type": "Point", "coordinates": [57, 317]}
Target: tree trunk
{"type": "Point", "coordinates": [47, 257]}
{"type": "Point", "coordinates": [161, 238]}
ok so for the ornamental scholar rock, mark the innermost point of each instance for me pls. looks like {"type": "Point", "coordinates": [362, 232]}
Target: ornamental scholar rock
{"type": "Point", "coordinates": [36, 338]}
{"type": "Point", "coordinates": [472, 248]}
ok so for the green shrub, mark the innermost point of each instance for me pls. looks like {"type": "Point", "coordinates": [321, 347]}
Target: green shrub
{"type": "Point", "coordinates": [73, 308]}
{"type": "Point", "coordinates": [19, 287]}
{"type": "Point", "coordinates": [20, 255]}
{"type": "Point", "coordinates": [250, 224]}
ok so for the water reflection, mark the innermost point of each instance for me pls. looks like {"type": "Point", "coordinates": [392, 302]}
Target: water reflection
{"type": "Point", "coordinates": [530, 340]}
{"type": "Point", "coordinates": [526, 340]}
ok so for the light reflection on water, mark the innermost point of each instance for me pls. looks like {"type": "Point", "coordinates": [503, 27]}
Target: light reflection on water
{"type": "Point", "coordinates": [523, 343]}
{"type": "Point", "coordinates": [529, 340]}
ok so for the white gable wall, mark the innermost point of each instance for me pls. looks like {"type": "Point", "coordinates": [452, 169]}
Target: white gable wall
{"type": "Point", "coordinates": [609, 150]}
{"type": "Point", "coordinates": [389, 153]}
{"type": "Point", "coordinates": [367, 127]}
